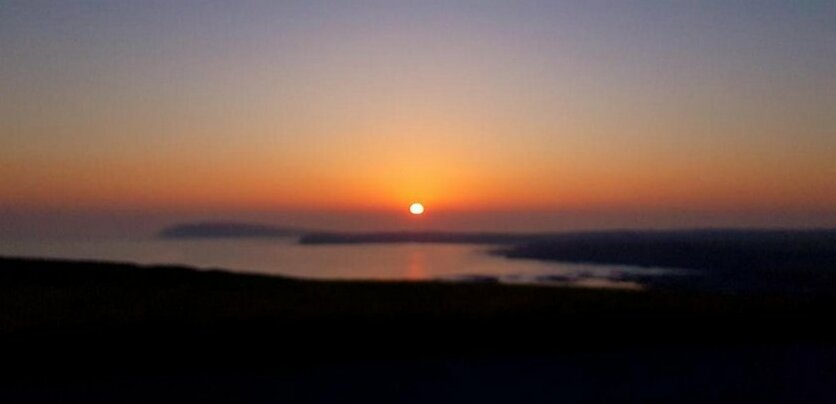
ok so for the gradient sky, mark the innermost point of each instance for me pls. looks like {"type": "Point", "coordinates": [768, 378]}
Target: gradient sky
{"type": "Point", "coordinates": [606, 109]}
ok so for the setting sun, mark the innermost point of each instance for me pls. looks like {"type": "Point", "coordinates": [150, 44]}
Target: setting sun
{"type": "Point", "coordinates": [416, 209]}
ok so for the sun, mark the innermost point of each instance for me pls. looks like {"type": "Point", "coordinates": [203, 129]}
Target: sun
{"type": "Point", "coordinates": [416, 208]}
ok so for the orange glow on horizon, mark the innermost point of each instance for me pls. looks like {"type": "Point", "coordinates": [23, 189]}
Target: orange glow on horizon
{"type": "Point", "coordinates": [345, 109]}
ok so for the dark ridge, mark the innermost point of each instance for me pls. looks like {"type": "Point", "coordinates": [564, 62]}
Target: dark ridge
{"type": "Point", "coordinates": [43, 294]}
{"type": "Point", "coordinates": [612, 236]}
{"type": "Point", "coordinates": [85, 332]}
{"type": "Point", "coordinates": [795, 261]}
{"type": "Point", "coordinates": [227, 230]}
{"type": "Point", "coordinates": [716, 260]}
{"type": "Point", "coordinates": [420, 237]}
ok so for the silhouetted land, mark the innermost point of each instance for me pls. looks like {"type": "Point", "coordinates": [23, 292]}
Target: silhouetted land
{"type": "Point", "coordinates": [727, 237]}
{"type": "Point", "coordinates": [779, 261]}
{"type": "Point", "coordinates": [739, 261]}
{"type": "Point", "coordinates": [421, 237]}
{"type": "Point", "coordinates": [82, 330]}
{"type": "Point", "coordinates": [227, 230]}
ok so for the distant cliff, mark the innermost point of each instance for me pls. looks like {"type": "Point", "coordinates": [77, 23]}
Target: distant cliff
{"type": "Point", "coordinates": [420, 237]}
{"type": "Point", "coordinates": [227, 230]}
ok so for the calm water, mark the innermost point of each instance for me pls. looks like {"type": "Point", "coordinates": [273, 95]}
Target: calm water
{"type": "Point", "coordinates": [372, 261]}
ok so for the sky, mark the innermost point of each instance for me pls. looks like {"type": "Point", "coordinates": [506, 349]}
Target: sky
{"type": "Point", "coordinates": [508, 115]}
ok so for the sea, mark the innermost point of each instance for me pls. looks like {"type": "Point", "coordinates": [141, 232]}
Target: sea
{"type": "Point", "coordinates": [286, 257]}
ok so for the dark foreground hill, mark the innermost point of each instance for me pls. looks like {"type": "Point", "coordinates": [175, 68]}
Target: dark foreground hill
{"type": "Point", "coordinates": [88, 331]}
